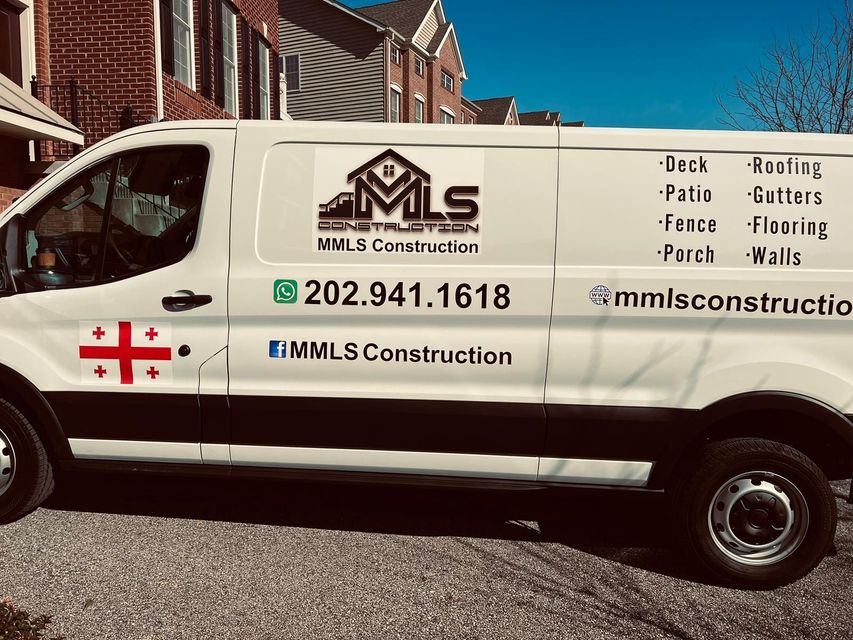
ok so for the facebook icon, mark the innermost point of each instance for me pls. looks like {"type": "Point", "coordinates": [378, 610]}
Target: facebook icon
{"type": "Point", "coordinates": [278, 349]}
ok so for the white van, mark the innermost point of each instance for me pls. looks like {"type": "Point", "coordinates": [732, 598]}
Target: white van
{"type": "Point", "coordinates": [648, 311]}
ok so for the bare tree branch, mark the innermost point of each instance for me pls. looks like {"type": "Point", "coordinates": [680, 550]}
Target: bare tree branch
{"type": "Point", "coordinates": [799, 87]}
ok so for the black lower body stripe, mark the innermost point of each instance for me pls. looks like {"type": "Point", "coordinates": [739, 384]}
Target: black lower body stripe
{"type": "Point", "coordinates": [490, 428]}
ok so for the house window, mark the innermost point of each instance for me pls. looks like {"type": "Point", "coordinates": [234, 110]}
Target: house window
{"type": "Point", "coordinates": [229, 58]}
{"type": "Point", "coordinates": [462, 120]}
{"type": "Point", "coordinates": [419, 66]}
{"type": "Point", "coordinates": [419, 110]}
{"type": "Point", "coordinates": [395, 54]}
{"type": "Point", "coordinates": [447, 117]}
{"type": "Point", "coordinates": [182, 32]}
{"type": "Point", "coordinates": [395, 105]}
{"type": "Point", "coordinates": [292, 72]}
{"type": "Point", "coordinates": [264, 79]}
{"type": "Point", "coordinates": [447, 81]}
{"type": "Point", "coordinates": [10, 42]}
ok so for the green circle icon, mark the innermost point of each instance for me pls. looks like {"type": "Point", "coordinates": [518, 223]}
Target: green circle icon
{"type": "Point", "coordinates": [285, 291]}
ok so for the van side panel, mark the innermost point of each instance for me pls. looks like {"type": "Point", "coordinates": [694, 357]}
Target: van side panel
{"type": "Point", "coordinates": [391, 290]}
{"type": "Point", "coordinates": [692, 268]}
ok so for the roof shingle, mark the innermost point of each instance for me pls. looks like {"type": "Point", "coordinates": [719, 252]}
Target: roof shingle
{"type": "Point", "coordinates": [495, 110]}
{"type": "Point", "coordinates": [438, 37]}
{"type": "Point", "coordinates": [404, 16]}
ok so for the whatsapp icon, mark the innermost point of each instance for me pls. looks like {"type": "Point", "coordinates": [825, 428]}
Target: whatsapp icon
{"type": "Point", "coordinates": [284, 291]}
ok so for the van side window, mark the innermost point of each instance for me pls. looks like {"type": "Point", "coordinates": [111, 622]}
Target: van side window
{"type": "Point", "coordinates": [130, 214]}
{"type": "Point", "coordinates": [61, 243]}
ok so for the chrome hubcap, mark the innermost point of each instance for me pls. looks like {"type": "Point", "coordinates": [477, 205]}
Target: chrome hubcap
{"type": "Point", "coordinates": [758, 518]}
{"type": "Point", "coordinates": [7, 463]}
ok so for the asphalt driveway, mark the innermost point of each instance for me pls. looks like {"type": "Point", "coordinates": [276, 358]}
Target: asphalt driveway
{"type": "Point", "coordinates": [130, 557]}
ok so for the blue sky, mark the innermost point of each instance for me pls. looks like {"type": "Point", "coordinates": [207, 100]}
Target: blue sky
{"type": "Point", "coordinates": [620, 63]}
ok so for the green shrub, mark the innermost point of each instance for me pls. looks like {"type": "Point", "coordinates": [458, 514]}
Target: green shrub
{"type": "Point", "coordinates": [17, 624]}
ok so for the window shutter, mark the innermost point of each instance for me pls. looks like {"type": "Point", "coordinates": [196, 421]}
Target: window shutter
{"type": "Point", "coordinates": [246, 73]}
{"type": "Point", "coordinates": [218, 68]}
{"type": "Point", "coordinates": [276, 86]}
{"type": "Point", "coordinates": [204, 37]}
{"type": "Point", "coordinates": [167, 37]}
{"type": "Point", "coordinates": [256, 75]}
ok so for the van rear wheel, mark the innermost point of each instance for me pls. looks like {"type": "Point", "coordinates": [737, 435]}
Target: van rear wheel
{"type": "Point", "coordinates": [26, 477]}
{"type": "Point", "coordinates": [756, 513]}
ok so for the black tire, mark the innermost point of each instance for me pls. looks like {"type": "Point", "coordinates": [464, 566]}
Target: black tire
{"type": "Point", "coordinates": [739, 494]}
{"type": "Point", "coordinates": [28, 477]}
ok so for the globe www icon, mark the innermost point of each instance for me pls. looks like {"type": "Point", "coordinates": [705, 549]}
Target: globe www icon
{"type": "Point", "coordinates": [600, 295]}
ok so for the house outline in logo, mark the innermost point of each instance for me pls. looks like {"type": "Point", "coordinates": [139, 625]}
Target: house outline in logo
{"type": "Point", "coordinates": [397, 183]}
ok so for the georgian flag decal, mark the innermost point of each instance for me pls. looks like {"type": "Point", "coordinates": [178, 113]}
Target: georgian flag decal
{"type": "Point", "coordinates": [126, 353]}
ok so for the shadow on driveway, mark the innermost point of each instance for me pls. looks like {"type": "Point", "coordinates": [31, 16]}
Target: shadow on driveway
{"type": "Point", "coordinates": [628, 530]}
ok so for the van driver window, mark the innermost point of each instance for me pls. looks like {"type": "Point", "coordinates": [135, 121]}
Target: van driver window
{"type": "Point", "coordinates": [130, 214]}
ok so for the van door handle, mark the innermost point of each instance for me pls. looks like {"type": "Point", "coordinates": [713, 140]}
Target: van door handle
{"type": "Point", "coordinates": [185, 302]}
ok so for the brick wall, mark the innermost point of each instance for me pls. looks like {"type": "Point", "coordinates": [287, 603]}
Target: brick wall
{"type": "Point", "coordinates": [412, 83]}
{"type": "Point", "coordinates": [7, 194]}
{"type": "Point", "coordinates": [181, 102]}
{"type": "Point", "coordinates": [258, 12]}
{"type": "Point", "coordinates": [108, 48]}
{"type": "Point", "coordinates": [441, 96]}
{"type": "Point", "coordinates": [428, 85]}
{"type": "Point", "coordinates": [41, 14]}
{"type": "Point", "coordinates": [397, 76]}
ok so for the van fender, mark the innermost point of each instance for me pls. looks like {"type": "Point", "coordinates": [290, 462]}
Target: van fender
{"type": "Point", "coordinates": [25, 396]}
{"type": "Point", "coordinates": [708, 423]}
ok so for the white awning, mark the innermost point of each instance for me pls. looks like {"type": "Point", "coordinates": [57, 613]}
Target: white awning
{"type": "Point", "coordinates": [22, 116]}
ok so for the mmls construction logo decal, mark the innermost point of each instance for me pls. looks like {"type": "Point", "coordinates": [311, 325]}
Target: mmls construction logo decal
{"type": "Point", "coordinates": [392, 204]}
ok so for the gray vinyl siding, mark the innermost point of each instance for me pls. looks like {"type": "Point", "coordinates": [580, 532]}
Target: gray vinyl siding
{"type": "Point", "coordinates": [342, 63]}
{"type": "Point", "coordinates": [430, 27]}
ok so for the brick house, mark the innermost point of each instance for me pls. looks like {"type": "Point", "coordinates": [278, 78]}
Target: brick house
{"type": "Point", "coordinates": [393, 62]}
{"type": "Point", "coordinates": [135, 61]}
{"type": "Point", "coordinates": [23, 119]}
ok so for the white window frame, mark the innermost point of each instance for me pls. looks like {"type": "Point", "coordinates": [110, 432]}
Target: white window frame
{"type": "Point", "coordinates": [396, 54]}
{"type": "Point", "coordinates": [420, 101]}
{"type": "Point", "coordinates": [264, 79]}
{"type": "Point", "coordinates": [450, 81]}
{"type": "Point", "coordinates": [182, 28]}
{"type": "Point", "coordinates": [419, 62]}
{"type": "Point", "coordinates": [446, 114]}
{"type": "Point", "coordinates": [26, 23]}
{"type": "Point", "coordinates": [229, 19]}
{"type": "Point", "coordinates": [298, 57]}
{"type": "Point", "coordinates": [396, 92]}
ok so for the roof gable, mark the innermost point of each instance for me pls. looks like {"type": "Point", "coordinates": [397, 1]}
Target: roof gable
{"type": "Point", "coordinates": [404, 16]}
{"type": "Point", "coordinates": [497, 110]}
{"type": "Point", "coordinates": [434, 18]}
{"type": "Point", "coordinates": [409, 17]}
{"type": "Point", "coordinates": [448, 32]}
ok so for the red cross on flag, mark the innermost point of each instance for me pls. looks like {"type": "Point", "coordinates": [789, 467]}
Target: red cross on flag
{"type": "Point", "coordinates": [138, 353]}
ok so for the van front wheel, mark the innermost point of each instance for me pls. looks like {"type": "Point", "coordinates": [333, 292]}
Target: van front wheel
{"type": "Point", "coordinates": [26, 477]}
{"type": "Point", "coordinates": [756, 513]}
